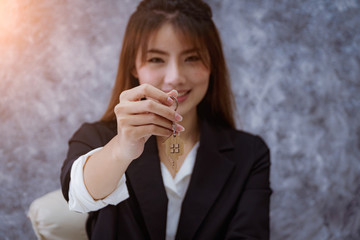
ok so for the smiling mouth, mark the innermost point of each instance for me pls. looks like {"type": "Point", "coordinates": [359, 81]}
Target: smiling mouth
{"type": "Point", "coordinates": [181, 94]}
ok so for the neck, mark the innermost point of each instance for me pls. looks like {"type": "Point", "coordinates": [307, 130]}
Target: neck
{"type": "Point", "coordinates": [192, 128]}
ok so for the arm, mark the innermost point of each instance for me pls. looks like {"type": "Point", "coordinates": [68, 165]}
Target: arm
{"type": "Point", "coordinates": [87, 138]}
{"type": "Point", "coordinates": [251, 219]}
{"type": "Point", "coordinates": [79, 198]}
{"type": "Point", "coordinates": [136, 122]}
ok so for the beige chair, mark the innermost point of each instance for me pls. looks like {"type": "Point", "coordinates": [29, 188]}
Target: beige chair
{"type": "Point", "coordinates": [51, 218]}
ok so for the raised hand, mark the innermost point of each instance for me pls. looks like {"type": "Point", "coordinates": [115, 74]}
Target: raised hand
{"type": "Point", "coordinates": [143, 111]}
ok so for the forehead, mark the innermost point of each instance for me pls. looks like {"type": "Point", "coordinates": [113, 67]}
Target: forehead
{"type": "Point", "coordinates": [171, 38]}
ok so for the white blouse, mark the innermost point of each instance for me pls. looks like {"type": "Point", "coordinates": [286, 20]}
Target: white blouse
{"type": "Point", "coordinates": [81, 201]}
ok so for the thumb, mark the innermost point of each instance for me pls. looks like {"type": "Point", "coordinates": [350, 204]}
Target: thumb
{"type": "Point", "coordinates": [173, 93]}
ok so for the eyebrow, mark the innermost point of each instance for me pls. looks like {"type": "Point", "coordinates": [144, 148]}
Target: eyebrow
{"type": "Point", "coordinates": [158, 51]}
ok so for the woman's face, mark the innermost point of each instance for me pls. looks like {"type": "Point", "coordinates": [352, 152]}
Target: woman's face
{"type": "Point", "coordinates": [174, 63]}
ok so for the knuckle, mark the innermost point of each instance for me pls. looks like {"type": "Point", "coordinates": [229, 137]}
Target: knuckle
{"type": "Point", "coordinates": [122, 94]}
{"type": "Point", "coordinates": [146, 88]}
{"type": "Point", "coordinates": [152, 117]}
{"type": "Point", "coordinates": [118, 109]}
{"type": "Point", "coordinates": [149, 104]}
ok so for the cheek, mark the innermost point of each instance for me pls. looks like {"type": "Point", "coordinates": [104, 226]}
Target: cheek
{"type": "Point", "coordinates": [149, 77]}
{"type": "Point", "coordinates": [204, 85]}
{"type": "Point", "coordinates": [202, 79]}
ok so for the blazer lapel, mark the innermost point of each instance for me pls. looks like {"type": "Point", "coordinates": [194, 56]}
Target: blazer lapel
{"type": "Point", "coordinates": [210, 173]}
{"type": "Point", "coordinates": [144, 176]}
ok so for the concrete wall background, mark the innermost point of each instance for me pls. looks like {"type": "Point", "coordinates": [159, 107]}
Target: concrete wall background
{"type": "Point", "coordinates": [295, 68]}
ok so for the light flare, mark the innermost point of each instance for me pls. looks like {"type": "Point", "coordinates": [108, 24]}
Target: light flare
{"type": "Point", "coordinates": [8, 16]}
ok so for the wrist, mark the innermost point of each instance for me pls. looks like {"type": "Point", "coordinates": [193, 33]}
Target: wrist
{"type": "Point", "coordinates": [118, 153]}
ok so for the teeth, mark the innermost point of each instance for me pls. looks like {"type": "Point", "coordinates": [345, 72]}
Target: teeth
{"type": "Point", "coordinates": [182, 94]}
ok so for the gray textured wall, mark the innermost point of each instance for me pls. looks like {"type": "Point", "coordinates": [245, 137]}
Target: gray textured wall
{"type": "Point", "coordinates": [295, 68]}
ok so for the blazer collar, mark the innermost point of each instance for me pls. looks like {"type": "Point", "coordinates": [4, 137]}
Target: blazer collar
{"type": "Point", "coordinates": [209, 175]}
{"type": "Point", "coordinates": [144, 176]}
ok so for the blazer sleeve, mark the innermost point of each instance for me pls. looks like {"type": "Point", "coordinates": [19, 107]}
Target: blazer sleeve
{"type": "Point", "coordinates": [251, 219]}
{"type": "Point", "coordinates": [88, 137]}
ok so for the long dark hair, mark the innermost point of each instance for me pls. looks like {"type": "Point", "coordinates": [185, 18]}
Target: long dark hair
{"type": "Point", "coordinates": [194, 20]}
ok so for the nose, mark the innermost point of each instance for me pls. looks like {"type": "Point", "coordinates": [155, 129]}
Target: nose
{"type": "Point", "coordinates": [174, 75]}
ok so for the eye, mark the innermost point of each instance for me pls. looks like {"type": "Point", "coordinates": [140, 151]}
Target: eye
{"type": "Point", "coordinates": [155, 60]}
{"type": "Point", "coordinates": [192, 58]}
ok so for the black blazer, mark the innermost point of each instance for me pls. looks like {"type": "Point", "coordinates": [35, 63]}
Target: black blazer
{"type": "Point", "coordinates": [228, 196]}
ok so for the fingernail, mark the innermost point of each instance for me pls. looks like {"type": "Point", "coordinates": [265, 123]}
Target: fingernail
{"type": "Point", "coordinates": [175, 92]}
{"type": "Point", "coordinates": [178, 117]}
{"type": "Point", "coordinates": [170, 100]}
{"type": "Point", "coordinates": [180, 128]}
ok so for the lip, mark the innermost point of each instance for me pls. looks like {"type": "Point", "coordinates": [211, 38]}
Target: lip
{"type": "Point", "coordinates": [183, 95]}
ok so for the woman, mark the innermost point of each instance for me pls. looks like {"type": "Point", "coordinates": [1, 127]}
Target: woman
{"type": "Point", "coordinates": [119, 170]}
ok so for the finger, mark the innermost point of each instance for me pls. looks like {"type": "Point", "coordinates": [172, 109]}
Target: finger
{"type": "Point", "coordinates": [148, 106]}
{"type": "Point", "coordinates": [145, 131]}
{"type": "Point", "coordinates": [173, 93]}
{"type": "Point", "coordinates": [146, 91]}
{"type": "Point", "coordinates": [145, 119]}
{"type": "Point", "coordinates": [159, 131]}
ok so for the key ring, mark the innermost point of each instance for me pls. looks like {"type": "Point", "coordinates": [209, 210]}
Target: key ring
{"type": "Point", "coordinates": [174, 146]}
{"type": "Point", "coordinates": [176, 101]}
{"type": "Point", "coordinates": [177, 104]}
